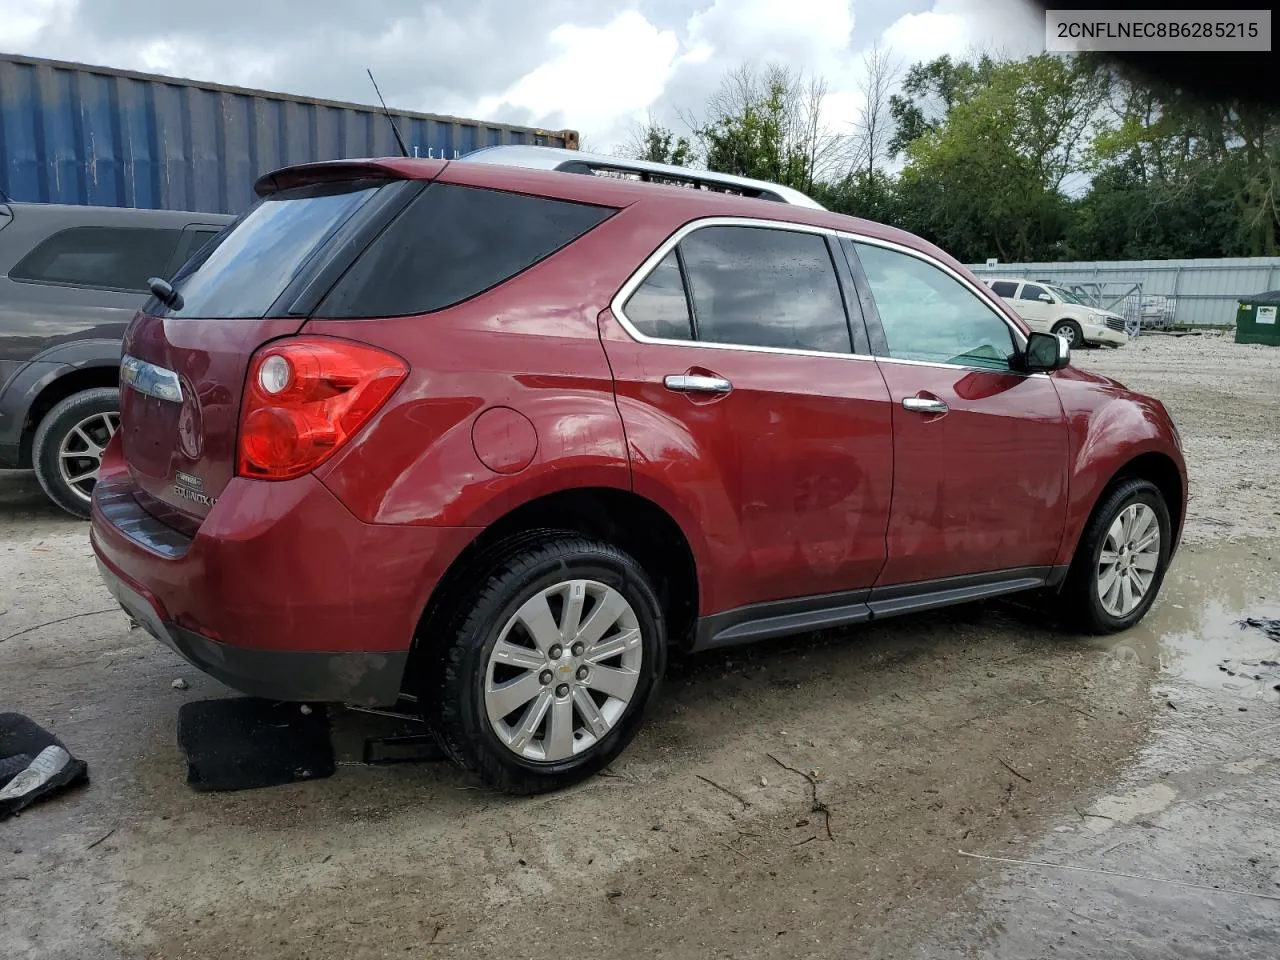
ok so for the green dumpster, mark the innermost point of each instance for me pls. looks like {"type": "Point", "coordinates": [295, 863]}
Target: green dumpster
{"type": "Point", "coordinates": [1257, 320]}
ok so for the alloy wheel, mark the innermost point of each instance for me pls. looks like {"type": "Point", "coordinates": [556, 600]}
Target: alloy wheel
{"type": "Point", "coordinates": [81, 449]}
{"type": "Point", "coordinates": [1129, 559]}
{"type": "Point", "coordinates": [563, 670]}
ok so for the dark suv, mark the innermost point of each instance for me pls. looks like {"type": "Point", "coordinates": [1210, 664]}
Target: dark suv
{"type": "Point", "coordinates": [500, 438]}
{"type": "Point", "coordinates": [71, 279]}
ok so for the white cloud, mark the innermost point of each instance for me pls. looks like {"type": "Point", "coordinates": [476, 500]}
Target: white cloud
{"type": "Point", "coordinates": [25, 20]}
{"type": "Point", "coordinates": [1014, 27]}
{"type": "Point", "coordinates": [794, 31]}
{"type": "Point", "coordinates": [602, 77]}
{"type": "Point", "coordinates": [592, 65]}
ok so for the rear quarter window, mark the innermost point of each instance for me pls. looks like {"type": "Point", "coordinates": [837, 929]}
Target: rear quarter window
{"type": "Point", "coordinates": [110, 258]}
{"type": "Point", "coordinates": [452, 243]}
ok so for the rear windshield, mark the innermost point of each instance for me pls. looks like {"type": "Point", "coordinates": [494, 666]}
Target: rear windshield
{"type": "Point", "coordinates": [245, 273]}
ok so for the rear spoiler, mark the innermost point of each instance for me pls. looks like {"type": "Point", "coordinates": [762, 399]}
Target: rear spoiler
{"type": "Point", "coordinates": [337, 171]}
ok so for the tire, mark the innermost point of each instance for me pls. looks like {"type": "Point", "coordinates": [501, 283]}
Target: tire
{"type": "Point", "coordinates": [1070, 331]}
{"type": "Point", "coordinates": [1082, 598]}
{"type": "Point", "coordinates": [96, 413]}
{"type": "Point", "coordinates": [461, 666]}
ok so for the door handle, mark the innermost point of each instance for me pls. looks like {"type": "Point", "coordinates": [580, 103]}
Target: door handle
{"type": "Point", "coordinates": [696, 383]}
{"type": "Point", "coordinates": [924, 405]}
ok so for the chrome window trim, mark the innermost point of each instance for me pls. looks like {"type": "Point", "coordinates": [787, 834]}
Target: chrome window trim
{"type": "Point", "coordinates": [641, 274]}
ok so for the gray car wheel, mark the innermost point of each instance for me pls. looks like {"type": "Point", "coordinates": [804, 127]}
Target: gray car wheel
{"type": "Point", "coordinates": [1070, 331]}
{"type": "Point", "coordinates": [69, 443]}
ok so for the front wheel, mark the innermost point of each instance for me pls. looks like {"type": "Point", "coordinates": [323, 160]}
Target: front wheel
{"type": "Point", "coordinates": [1121, 560]}
{"type": "Point", "coordinates": [68, 445]}
{"type": "Point", "coordinates": [542, 675]}
{"type": "Point", "coordinates": [1071, 332]}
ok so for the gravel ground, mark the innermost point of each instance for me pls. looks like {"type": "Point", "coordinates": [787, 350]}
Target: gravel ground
{"type": "Point", "coordinates": [982, 728]}
{"type": "Point", "coordinates": [1225, 398]}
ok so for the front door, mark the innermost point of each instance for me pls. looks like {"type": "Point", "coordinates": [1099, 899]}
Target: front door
{"type": "Point", "coordinates": [1036, 311]}
{"type": "Point", "coordinates": [980, 450]}
{"type": "Point", "coordinates": [748, 416]}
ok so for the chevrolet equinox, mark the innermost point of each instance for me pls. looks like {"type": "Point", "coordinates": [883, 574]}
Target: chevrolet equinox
{"type": "Point", "coordinates": [498, 439]}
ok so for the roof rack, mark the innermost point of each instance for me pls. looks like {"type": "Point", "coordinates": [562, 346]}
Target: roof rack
{"type": "Point", "coordinates": [574, 161]}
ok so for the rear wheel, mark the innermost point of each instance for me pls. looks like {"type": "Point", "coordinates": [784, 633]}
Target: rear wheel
{"type": "Point", "coordinates": [542, 675]}
{"type": "Point", "coordinates": [68, 445]}
{"type": "Point", "coordinates": [1121, 560]}
{"type": "Point", "coordinates": [1070, 331]}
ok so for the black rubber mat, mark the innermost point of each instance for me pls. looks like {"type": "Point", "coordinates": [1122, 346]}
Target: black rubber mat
{"type": "Point", "coordinates": [34, 764]}
{"type": "Point", "coordinates": [242, 743]}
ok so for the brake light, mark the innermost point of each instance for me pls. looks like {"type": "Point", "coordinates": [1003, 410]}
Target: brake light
{"type": "Point", "coordinates": [305, 398]}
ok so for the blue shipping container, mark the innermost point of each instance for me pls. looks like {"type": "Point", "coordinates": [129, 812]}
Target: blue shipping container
{"type": "Point", "coordinates": [71, 133]}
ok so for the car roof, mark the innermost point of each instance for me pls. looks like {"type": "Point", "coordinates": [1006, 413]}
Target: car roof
{"type": "Point", "coordinates": [71, 215]}
{"type": "Point", "coordinates": [677, 204]}
{"type": "Point", "coordinates": [577, 161]}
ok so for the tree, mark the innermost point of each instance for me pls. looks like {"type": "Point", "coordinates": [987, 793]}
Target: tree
{"type": "Point", "coordinates": [1180, 159]}
{"type": "Point", "coordinates": [769, 125]}
{"type": "Point", "coordinates": [987, 177]}
{"type": "Point", "coordinates": [873, 130]}
{"type": "Point", "coordinates": [929, 92]}
{"type": "Point", "coordinates": [656, 143]}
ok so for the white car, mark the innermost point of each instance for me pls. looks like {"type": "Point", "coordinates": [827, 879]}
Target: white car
{"type": "Point", "coordinates": [1055, 310]}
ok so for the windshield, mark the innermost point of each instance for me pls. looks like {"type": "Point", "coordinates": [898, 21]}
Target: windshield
{"type": "Point", "coordinates": [1066, 295]}
{"type": "Point", "coordinates": [244, 270]}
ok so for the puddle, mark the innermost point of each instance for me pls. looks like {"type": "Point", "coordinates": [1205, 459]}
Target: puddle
{"type": "Point", "coordinates": [1209, 627]}
{"type": "Point", "coordinates": [1180, 856]}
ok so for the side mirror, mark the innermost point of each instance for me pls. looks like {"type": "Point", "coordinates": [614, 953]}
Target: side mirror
{"type": "Point", "coordinates": [1045, 298]}
{"type": "Point", "coordinates": [1046, 352]}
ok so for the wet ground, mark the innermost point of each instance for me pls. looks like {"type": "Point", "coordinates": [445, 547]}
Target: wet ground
{"type": "Point", "coordinates": [980, 731]}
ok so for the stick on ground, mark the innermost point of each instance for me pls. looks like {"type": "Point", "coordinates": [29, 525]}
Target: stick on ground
{"type": "Point", "coordinates": [723, 789]}
{"type": "Point", "coordinates": [817, 805]}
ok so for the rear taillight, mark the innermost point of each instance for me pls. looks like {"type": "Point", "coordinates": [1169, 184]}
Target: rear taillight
{"type": "Point", "coordinates": [305, 398]}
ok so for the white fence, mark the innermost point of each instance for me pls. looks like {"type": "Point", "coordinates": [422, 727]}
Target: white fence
{"type": "Point", "coordinates": [1161, 292]}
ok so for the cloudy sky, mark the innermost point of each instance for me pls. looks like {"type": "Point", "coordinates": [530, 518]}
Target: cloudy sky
{"type": "Point", "coordinates": [596, 66]}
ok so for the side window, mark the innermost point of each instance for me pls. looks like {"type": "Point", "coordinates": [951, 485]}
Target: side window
{"type": "Point", "coordinates": [1004, 288]}
{"type": "Point", "coordinates": [659, 307]}
{"type": "Point", "coordinates": [452, 243]}
{"type": "Point", "coordinates": [762, 287]}
{"type": "Point", "coordinates": [928, 315]}
{"type": "Point", "coordinates": [1031, 292]}
{"type": "Point", "coordinates": [116, 258]}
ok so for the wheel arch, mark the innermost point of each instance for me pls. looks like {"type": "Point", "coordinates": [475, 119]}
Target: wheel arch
{"type": "Point", "coordinates": [72, 381]}
{"type": "Point", "coordinates": [1152, 465]}
{"type": "Point", "coordinates": [625, 519]}
{"type": "Point", "coordinates": [1160, 469]}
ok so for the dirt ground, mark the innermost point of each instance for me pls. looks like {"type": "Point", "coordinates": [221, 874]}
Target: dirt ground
{"type": "Point", "coordinates": [982, 729]}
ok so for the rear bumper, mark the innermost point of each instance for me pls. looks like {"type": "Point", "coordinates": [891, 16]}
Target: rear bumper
{"type": "Point", "coordinates": [281, 593]}
{"type": "Point", "coordinates": [366, 678]}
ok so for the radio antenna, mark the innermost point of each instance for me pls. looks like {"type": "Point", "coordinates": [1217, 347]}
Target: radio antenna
{"type": "Point", "coordinates": [404, 151]}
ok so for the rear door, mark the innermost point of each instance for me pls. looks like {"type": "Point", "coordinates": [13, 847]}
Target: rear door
{"type": "Point", "coordinates": [184, 365]}
{"type": "Point", "coordinates": [980, 450]}
{"type": "Point", "coordinates": [64, 279]}
{"type": "Point", "coordinates": [750, 412]}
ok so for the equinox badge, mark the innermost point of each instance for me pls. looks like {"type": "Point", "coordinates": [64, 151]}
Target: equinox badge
{"type": "Point", "coordinates": [189, 487]}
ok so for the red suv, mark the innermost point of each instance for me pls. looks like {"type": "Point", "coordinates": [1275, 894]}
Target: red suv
{"type": "Point", "coordinates": [496, 439]}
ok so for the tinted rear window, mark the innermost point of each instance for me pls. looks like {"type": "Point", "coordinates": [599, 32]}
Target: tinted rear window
{"type": "Point", "coordinates": [452, 243]}
{"type": "Point", "coordinates": [113, 258]}
{"type": "Point", "coordinates": [245, 273]}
